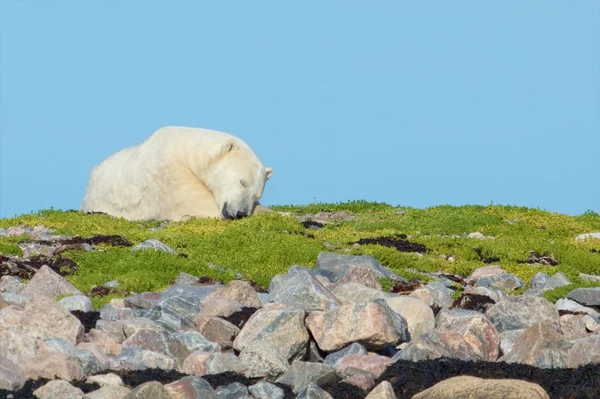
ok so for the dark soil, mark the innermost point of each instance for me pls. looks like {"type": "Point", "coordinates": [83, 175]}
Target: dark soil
{"type": "Point", "coordinates": [401, 287]}
{"type": "Point", "coordinates": [399, 244]}
{"type": "Point", "coordinates": [26, 268]}
{"type": "Point", "coordinates": [256, 287]}
{"type": "Point", "coordinates": [240, 318]}
{"type": "Point", "coordinates": [205, 280]}
{"type": "Point", "coordinates": [88, 319]}
{"type": "Point", "coordinates": [309, 224]}
{"type": "Point", "coordinates": [537, 259]}
{"type": "Point", "coordinates": [31, 385]}
{"type": "Point", "coordinates": [485, 259]}
{"type": "Point", "coordinates": [476, 302]}
{"type": "Point", "coordinates": [343, 390]}
{"type": "Point", "coordinates": [99, 291]}
{"type": "Point", "coordinates": [114, 240]}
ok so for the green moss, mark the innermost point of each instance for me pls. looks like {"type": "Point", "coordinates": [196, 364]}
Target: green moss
{"type": "Point", "coordinates": [262, 246]}
{"type": "Point", "coordinates": [561, 292]}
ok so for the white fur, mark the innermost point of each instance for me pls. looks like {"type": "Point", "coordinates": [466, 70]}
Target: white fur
{"type": "Point", "coordinates": [178, 173]}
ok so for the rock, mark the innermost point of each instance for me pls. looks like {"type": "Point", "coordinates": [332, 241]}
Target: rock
{"type": "Point", "coordinates": [132, 325]}
{"type": "Point", "coordinates": [145, 300]}
{"type": "Point", "coordinates": [46, 282]}
{"type": "Point", "coordinates": [540, 345]}
{"type": "Point", "coordinates": [111, 312]}
{"type": "Point", "coordinates": [301, 290]}
{"type": "Point", "coordinates": [335, 358]}
{"type": "Point", "coordinates": [220, 332]}
{"type": "Point", "coordinates": [11, 375]}
{"type": "Point", "coordinates": [148, 390]}
{"type": "Point", "coordinates": [240, 291]}
{"type": "Point", "coordinates": [144, 359]}
{"type": "Point", "coordinates": [216, 307]}
{"type": "Point", "coordinates": [42, 318]}
{"type": "Point", "coordinates": [191, 387]}
{"type": "Point", "coordinates": [382, 391]}
{"type": "Point", "coordinates": [568, 306]}
{"type": "Point", "coordinates": [105, 379]}
{"type": "Point", "coordinates": [586, 296]}
{"type": "Point", "coordinates": [572, 327]}
{"type": "Point", "coordinates": [542, 282]}
{"type": "Point", "coordinates": [584, 351]}
{"type": "Point", "coordinates": [31, 249]}
{"type": "Point", "coordinates": [262, 359]}
{"type": "Point", "coordinates": [486, 271]}
{"type": "Point", "coordinates": [185, 278]}
{"type": "Point", "coordinates": [313, 391]}
{"type": "Point", "coordinates": [588, 278]}
{"type": "Point", "coordinates": [77, 302]}
{"type": "Point", "coordinates": [301, 374]}
{"type": "Point", "coordinates": [434, 296]}
{"type": "Point", "coordinates": [155, 245]}
{"type": "Point", "coordinates": [11, 284]}
{"type": "Point", "coordinates": [202, 363]}
{"type": "Point", "coordinates": [235, 390]}
{"type": "Point", "coordinates": [279, 325]}
{"type": "Point", "coordinates": [111, 284]}
{"type": "Point", "coordinates": [504, 281]}
{"type": "Point", "coordinates": [194, 341]}
{"type": "Point", "coordinates": [508, 339]}
{"type": "Point", "coordinates": [418, 315]}
{"type": "Point", "coordinates": [93, 361]}
{"type": "Point", "coordinates": [266, 390]}
{"type": "Point", "coordinates": [15, 299]}
{"type": "Point", "coordinates": [479, 236]}
{"type": "Point", "coordinates": [178, 306]}
{"type": "Point", "coordinates": [586, 236]}
{"type": "Point", "coordinates": [108, 392]}
{"type": "Point", "coordinates": [342, 268]}
{"type": "Point", "coordinates": [107, 343]}
{"type": "Point", "coordinates": [373, 324]}
{"type": "Point", "coordinates": [372, 363]}
{"type": "Point", "coordinates": [58, 389]}
{"type": "Point", "coordinates": [362, 379]}
{"type": "Point", "coordinates": [592, 323]}
{"type": "Point", "coordinates": [18, 346]}
{"type": "Point", "coordinates": [52, 365]}
{"type": "Point", "coordinates": [521, 312]}
{"type": "Point", "coordinates": [479, 388]}
{"type": "Point", "coordinates": [160, 342]}
{"type": "Point", "coordinates": [356, 293]}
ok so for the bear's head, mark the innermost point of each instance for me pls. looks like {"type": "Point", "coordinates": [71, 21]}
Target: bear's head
{"type": "Point", "coordinates": [237, 180]}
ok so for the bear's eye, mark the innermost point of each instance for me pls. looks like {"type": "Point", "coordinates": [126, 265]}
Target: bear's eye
{"type": "Point", "coordinates": [243, 183]}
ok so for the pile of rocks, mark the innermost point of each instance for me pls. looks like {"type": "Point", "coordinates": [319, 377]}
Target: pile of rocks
{"type": "Point", "coordinates": [316, 331]}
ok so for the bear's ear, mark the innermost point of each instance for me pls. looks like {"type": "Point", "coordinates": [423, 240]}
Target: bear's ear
{"type": "Point", "coordinates": [229, 146]}
{"type": "Point", "coordinates": [269, 172]}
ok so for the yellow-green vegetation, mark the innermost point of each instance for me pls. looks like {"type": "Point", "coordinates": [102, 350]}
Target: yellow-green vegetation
{"type": "Point", "coordinates": [262, 246]}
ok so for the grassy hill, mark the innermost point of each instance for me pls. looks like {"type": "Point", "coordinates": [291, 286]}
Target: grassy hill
{"type": "Point", "coordinates": [263, 246]}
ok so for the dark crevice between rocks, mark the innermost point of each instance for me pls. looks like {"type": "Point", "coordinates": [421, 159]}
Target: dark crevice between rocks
{"type": "Point", "coordinates": [409, 378]}
{"type": "Point", "coordinates": [476, 302]}
{"type": "Point", "coordinates": [540, 260]}
{"type": "Point", "coordinates": [401, 287]}
{"type": "Point", "coordinates": [26, 268]}
{"type": "Point", "coordinates": [87, 319]}
{"type": "Point", "coordinates": [240, 318]}
{"type": "Point", "coordinates": [485, 259]}
{"type": "Point", "coordinates": [400, 243]}
{"type": "Point", "coordinates": [310, 224]}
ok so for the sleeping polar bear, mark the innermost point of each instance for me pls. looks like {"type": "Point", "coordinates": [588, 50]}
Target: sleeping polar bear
{"type": "Point", "coordinates": [179, 173]}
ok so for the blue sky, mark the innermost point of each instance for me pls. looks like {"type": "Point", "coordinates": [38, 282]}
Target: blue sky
{"type": "Point", "coordinates": [415, 103]}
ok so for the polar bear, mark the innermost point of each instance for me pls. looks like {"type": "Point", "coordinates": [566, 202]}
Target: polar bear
{"type": "Point", "coordinates": [179, 173]}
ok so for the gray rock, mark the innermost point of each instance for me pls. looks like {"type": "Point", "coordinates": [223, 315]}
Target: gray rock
{"type": "Point", "coordinates": [89, 362]}
{"type": "Point", "coordinates": [337, 267]}
{"type": "Point", "coordinates": [486, 271]}
{"type": "Point", "coordinates": [15, 299]}
{"type": "Point", "coordinates": [356, 293]}
{"type": "Point", "coordinates": [108, 392]}
{"type": "Point", "coordinates": [540, 345]}
{"type": "Point", "coordinates": [301, 290]}
{"type": "Point", "coordinates": [11, 375]}
{"type": "Point", "coordinates": [46, 282]}
{"type": "Point", "coordinates": [572, 326]}
{"type": "Point", "coordinates": [145, 300]}
{"type": "Point", "coordinates": [382, 391]}
{"type": "Point", "coordinates": [184, 278]}
{"type": "Point", "coordinates": [191, 387]}
{"type": "Point", "coordinates": [584, 351]}
{"type": "Point", "coordinates": [434, 295]}
{"type": "Point", "coordinates": [514, 313]}
{"type": "Point", "coordinates": [266, 390]}
{"type": "Point", "coordinates": [130, 326]}
{"type": "Point", "coordinates": [301, 374]}
{"type": "Point", "coordinates": [155, 245]}
{"type": "Point", "coordinates": [194, 341]}
{"type": "Point", "coordinates": [148, 390]}
{"type": "Point", "coordinates": [588, 278]}
{"type": "Point", "coordinates": [313, 391]}
{"type": "Point", "coordinates": [235, 390]}
{"type": "Point", "coordinates": [111, 312]}
{"type": "Point", "coordinates": [158, 341]}
{"type": "Point", "coordinates": [105, 379]}
{"type": "Point", "coordinates": [263, 359]}
{"type": "Point", "coordinates": [333, 359]}
{"type": "Point", "coordinates": [567, 305]}
{"type": "Point", "coordinates": [542, 282]}
{"type": "Point", "coordinates": [508, 339]}
{"type": "Point", "coordinates": [504, 281]}
{"type": "Point", "coordinates": [32, 249]}
{"type": "Point", "coordinates": [586, 236]}
{"type": "Point", "coordinates": [77, 302]}
{"type": "Point", "coordinates": [111, 284]}
{"type": "Point", "coordinates": [586, 296]}
{"type": "Point", "coordinates": [11, 284]}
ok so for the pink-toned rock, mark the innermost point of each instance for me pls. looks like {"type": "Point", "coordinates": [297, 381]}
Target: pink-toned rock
{"type": "Point", "coordinates": [479, 388]}
{"type": "Point", "coordinates": [192, 387]}
{"type": "Point", "coordinates": [96, 351]}
{"type": "Point", "coordinates": [42, 318]}
{"type": "Point", "coordinates": [382, 391]}
{"type": "Point", "coordinates": [486, 271]}
{"type": "Point", "coordinates": [3, 303]}
{"type": "Point", "coordinates": [46, 282]}
{"type": "Point", "coordinates": [240, 291]}
{"type": "Point", "coordinates": [16, 346]}
{"type": "Point", "coordinates": [201, 363]}
{"type": "Point", "coordinates": [364, 381]}
{"type": "Point", "coordinates": [541, 345]}
{"type": "Point", "coordinates": [219, 331]}
{"type": "Point", "coordinates": [58, 389]}
{"type": "Point", "coordinates": [279, 325]}
{"type": "Point", "coordinates": [160, 342]}
{"type": "Point", "coordinates": [374, 364]}
{"type": "Point", "coordinates": [418, 315]}
{"type": "Point", "coordinates": [572, 326]}
{"type": "Point", "coordinates": [584, 351]}
{"type": "Point", "coordinates": [51, 366]}
{"type": "Point", "coordinates": [107, 343]}
{"type": "Point", "coordinates": [105, 379]}
{"type": "Point", "coordinates": [11, 375]}
{"type": "Point", "coordinates": [108, 392]}
{"type": "Point", "coordinates": [216, 307]}
{"type": "Point", "coordinates": [372, 324]}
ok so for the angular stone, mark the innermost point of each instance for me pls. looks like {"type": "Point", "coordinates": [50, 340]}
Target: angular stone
{"type": "Point", "coordinates": [91, 363]}
{"type": "Point", "coordinates": [111, 312]}
{"type": "Point", "coordinates": [433, 296]}
{"type": "Point", "coordinates": [479, 388]}
{"type": "Point", "coordinates": [362, 379]}
{"type": "Point", "coordinates": [335, 358]}
{"type": "Point", "coordinates": [160, 342]}
{"type": "Point", "coordinates": [572, 326]}
{"type": "Point", "coordinates": [58, 389]}
{"type": "Point", "coordinates": [418, 315]}
{"type": "Point", "coordinates": [588, 278]}
{"type": "Point", "coordinates": [108, 392]}
{"type": "Point", "coordinates": [148, 390]}
{"type": "Point", "coordinates": [112, 328]}
{"type": "Point", "coordinates": [301, 290]}
{"type": "Point", "coordinates": [313, 391]}
{"type": "Point", "coordinates": [356, 293]}
{"type": "Point", "coordinates": [508, 339]}
{"type": "Point", "coordinates": [382, 391]}
{"type": "Point", "coordinates": [301, 374]}
{"type": "Point", "coordinates": [105, 379]}
{"type": "Point", "coordinates": [16, 346]}
{"type": "Point", "coordinates": [373, 324]}
{"type": "Point", "coordinates": [191, 387]}
{"type": "Point", "coordinates": [486, 271]}
{"type": "Point", "coordinates": [373, 363]}
{"type": "Point", "coordinates": [11, 375]}
{"type": "Point", "coordinates": [194, 341]}
{"type": "Point", "coordinates": [130, 326]}
{"type": "Point", "coordinates": [15, 299]}
{"type": "Point", "coordinates": [240, 291]}
{"type": "Point", "coordinates": [46, 282]}
{"type": "Point", "coordinates": [185, 278]}
{"type": "Point", "coordinates": [540, 345]}
{"type": "Point", "coordinates": [77, 302]}
{"type": "Point", "coordinates": [504, 281]}
{"type": "Point", "coordinates": [568, 306]}
{"type": "Point", "coordinates": [52, 365]}
{"type": "Point", "coordinates": [145, 300]}
{"type": "Point", "coordinates": [220, 332]}
{"type": "Point", "coordinates": [153, 244]}
{"type": "Point", "coordinates": [584, 351]}
{"type": "Point", "coordinates": [202, 363]}
{"type": "Point", "coordinates": [107, 343]}
{"type": "Point", "coordinates": [144, 359]}
{"type": "Point", "coordinates": [281, 326]}
{"type": "Point", "coordinates": [216, 307]}
{"type": "Point", "coordinates": [176, 310]}
{"type": "Point", "coordinates": [263, 359]}
{"type": "Point", "coordinates": [235, 390]}
{"type": "Point", "coordinates": [514, 313]}
{"type": "Point", "coordinates": [586, 296]}
{"type": "Point", "coordinates": [266, 390]}
{"type": "Point", "coordinates": [11, 284]}
{"type": "Point", "coordinates": [343, 268]}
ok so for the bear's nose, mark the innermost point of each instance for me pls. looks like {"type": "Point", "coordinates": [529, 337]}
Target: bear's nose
{"type": "Point", "coordinates": [225, 213]}
{"type": "Point", "coordinates": [241, 214]}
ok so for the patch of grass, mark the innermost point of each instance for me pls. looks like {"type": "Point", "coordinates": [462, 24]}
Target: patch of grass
{"type": "Point", "coordinates": [262, 246]}
{"type": "Point", "coordinates": [561, 292]}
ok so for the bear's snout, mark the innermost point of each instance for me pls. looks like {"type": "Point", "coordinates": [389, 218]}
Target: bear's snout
{"type": "Point", "coordinates": [229, 214]}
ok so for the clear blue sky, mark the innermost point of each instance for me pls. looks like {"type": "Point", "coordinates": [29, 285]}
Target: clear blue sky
{"type": "Point", "coordinates": [415, 103]}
